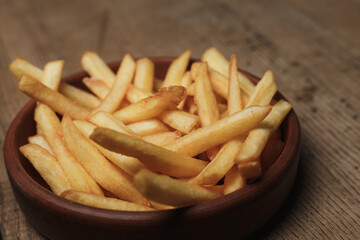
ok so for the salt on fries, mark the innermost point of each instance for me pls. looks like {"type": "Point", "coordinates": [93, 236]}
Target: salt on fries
{"type": "Point", "coordinates": [153, 144]}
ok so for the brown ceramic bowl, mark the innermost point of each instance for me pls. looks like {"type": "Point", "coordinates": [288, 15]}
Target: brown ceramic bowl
{"type": "Point", "coordinates": [233, 216]}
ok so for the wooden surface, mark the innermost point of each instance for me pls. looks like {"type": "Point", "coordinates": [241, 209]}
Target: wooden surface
{"type": "Point", "coordinates": [313, 48]}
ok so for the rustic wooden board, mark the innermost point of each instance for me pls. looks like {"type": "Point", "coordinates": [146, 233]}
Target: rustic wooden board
{"type": "Point", "coordinates": [312, 47]}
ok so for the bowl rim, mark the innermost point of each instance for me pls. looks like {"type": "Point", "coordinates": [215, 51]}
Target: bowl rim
{"type": "Point", "coordinates": [34, 191]}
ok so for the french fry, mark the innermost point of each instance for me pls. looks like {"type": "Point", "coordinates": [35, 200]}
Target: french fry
{"type": "Point", "coordinates": [154, 157]}
{"type": "Point", "coordinates": [123, 78]}
{"type": "Point", "coordinates": [130, 165]}
{"type": "Point", "coordinates": [234, 180]}
{"type": "Point", "coordinates": [234, 93]}
{"type": "Point", "coordinates": [219, 63]}
{"type": "Point", "coordinates": [135, 94]}
{"type": "Point", "coordinates": [264, 91]}
{"type": "Point", "coordinates": [40, 140]}
{"type": "Point", "coordinates": [104, 173]}
{"type": "Point", "coordinates": [76, 174]}
{"type": "Point", "coordinates": [20, 67]}
{"type": "Point", "coordinates": [147, 127]}
{"type": "Point", "coordinates": [185, 82]}
{"type": "Point", "coordinates": [160, 206]}
{"type": "Point", "coordinates": [104, 119]}
{"type": "Point", "coordinates": [176, 70]}
{"type": "Point", "coordinates": [158, 84]}
{"type": "Point", "coordinates": [79, 96]}
{"type": "Point", "coordinates": [47, 166]}
{"type": "Point", "coordinates": [250, 169]}
{"type": "Point", "coordinates": [52, 74]}
{"type": "Point", "coordinates": [144, 76]}
{"type": "Point", "coordinates": [102, 202]}
{"type": "Point", "coordinates": [58, 102]}
{"type": "Point", "coordinates": [257, 138]}
{"type": "Point", "coordinates": [165, 190]}
{"type": "Point", "coordinates": [163, 138]}
{"type": "Point", "coordinates": [150, 107]}
{"type": "Point", "coordinates": [97, 86]}
{"type": "Point", "coordinates": [180, 120]}
{"type": "Point", "coordinates": [191, 90]}
{"type": "Point", "coordinates": [222, 131]}
{"type": "Point", "coordinates": [219, 83]}
{"type": "Point", "coordinates": [97, 68]}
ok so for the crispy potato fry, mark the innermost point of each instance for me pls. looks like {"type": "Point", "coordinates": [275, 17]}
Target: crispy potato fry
{"type": "Point", "coordinates": [163, 138]}
{"type": "Point", "coordinates": [165, 190]}
{"type": "Point", "coordinates": [195, 69]}
{"type": "Point", "coordinates": [147, 127]}
{"type": "Point", "coordinates": [47, 166]}
{"type": "Point", "coordinates": [58, 102]}
{"type": "Point", "coordinates": [219, 83]}
{"type": "Point", "coordinates": [191, 90]}
{"type": "Point", "coordinates": [97, 86]}
{"type": "Point", "coordinates": [180, 120]}
{"type": "Point", "coordinates": [205, 98]}
{"type": "Point", "coordinates": [79, 96]}
{"type": "Point", "coordinates": [234, 92]}
{"type": "Point", "coordinates": [220, 132]}
{"type": "Point", "coordinates": [257, 138]}
{"type": "Point", "coordinates": [40, 140]}
{"type": "Point", "coordinates": [135, 94]}
{"type": "Point", "coordinates": [76, 174]}
{"type": "Point", "coordinates": [20, 67]}
{"type": "Point", "coordinates": [233, 180]}
{"type": "Point", "coordinates": [144, 76]}
{"type": "Point", "coordinates": [177, 70]}
{"type": "Point", "coordinates": [150, 107]}
{"type": "Point", "coordinates": [102, 202]}
{"type": "Point", "coordinates": [157, 84]}
{"type": "Point", "coordinates": [52, 74]}
{"type": "Point", "coordinates": [264, 91]}
{"type": "Point", "coordinates": [130, 165]}
{"type": "Point", "coordinates": [185, 82]}
{"type": "Point", "coordinates": [154, 157]}
{"type": "Point", "coordinates": [219, 63]}
{"type": "Point", "coordinates": [104, 119]}
{"type": "Point", "coordinates": [160, 206]}
{"type": "Point", "coordinates": [97, 68]}
{"type": "Point", "coordinates": [104, 173]}
{"type": "Point", "coordinates": [117, 93]}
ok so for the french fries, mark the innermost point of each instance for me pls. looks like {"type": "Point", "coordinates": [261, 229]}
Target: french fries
{"type": "Point", "coordinates": [154, 157]}
{"type": "Point", "coordinates": [209, 129]}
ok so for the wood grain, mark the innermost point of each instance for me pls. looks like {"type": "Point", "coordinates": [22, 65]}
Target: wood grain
{"type": "Point", "coordinates": [312, 48]}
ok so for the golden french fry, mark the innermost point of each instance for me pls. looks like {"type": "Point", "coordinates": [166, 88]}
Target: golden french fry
{"type": "Point", "coordinates": [154, 157]}
{"type": "Point", "coordinates": [130, 165]}
{"type": "Point", "coordinates": [190, 91]}
{"type": "Point", "coordinates": [97, 86]}
{"type": "Point", "coordinates": [160, 206]}
{"type": "Point", "coordinates": [50, 124]}
{"type": "Point", "coordinates": [258, 137]}
{"type": "Point", "coordinates": [234, 93]}
{"type": "Point", "coordinates": [40, 140]}
{"type": "Point", "coordinates": [79, 96]}
{"type": "Point", "coordinates": [163, 138]}
{"type": "Point", "coordinates": [195, 69]}
{"type": "Point", "coordinates": [165, 190]}
{"type": "Point", "coordinates": [185, 82]}
{"type": "Point", "coordinates": [102, 202]}
{"type": "Point", "coordinates": [144, 76]}
{"type": "Point", "coordinates": [205, 98]}
{"type": "Point", "coordinates": [47, 166]}
{"type": "Point", "coordinates": [147, 127]}
{"type": "Point", "coordinates": [158, 84]}
{"type": "Point", "coordinates": [264, 91]}
{"type": "Point", "coordinates": [150, 107]}
{"type": "Point", "coordinates": [97, 68]}
{"type": "Point", "coordinates": [104, 173]}
{"type": "Point", "coordinates": [219, 83]}
{"type": "Point", "coordinates": [52, 74]}
{"type": "Point", "coordinates": [219, 63]}
{"type": "Point", "coordinates": [20, 67]}
{"type": "Point", "coordinates": [123, 78]}
{"type": "Point", "coordinates": [222, 131]}
{"type": "Point", "coordinates": [233, 180]}
{"type": "Point", "coordinates": [104, 119]}
{"type": "Point", "coordinates": [135, 94]}
{"type": "Point", "coordinates": [58, 102]}
{"type": "Point", "coordinates": [177, 69]}
{"type": "Point", "coordinates": [180, 120]}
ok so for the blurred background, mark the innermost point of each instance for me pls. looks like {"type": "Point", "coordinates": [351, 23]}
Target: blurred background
{"type": "Point", "coordinates": [313, 48]}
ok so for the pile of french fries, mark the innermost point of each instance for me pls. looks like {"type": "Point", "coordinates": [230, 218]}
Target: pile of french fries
{"type": "Point", "coordinates": [137, 143]}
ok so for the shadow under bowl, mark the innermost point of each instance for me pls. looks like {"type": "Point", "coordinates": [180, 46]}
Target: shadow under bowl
{"type": "Point", "coordinates": [233, 216]}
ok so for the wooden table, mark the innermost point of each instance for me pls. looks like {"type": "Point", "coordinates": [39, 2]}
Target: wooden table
{"type": "Point", "coordinates": [313, 48]}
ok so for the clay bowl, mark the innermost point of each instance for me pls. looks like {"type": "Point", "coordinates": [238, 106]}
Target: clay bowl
{"type": "Point", "coordinates": [233, 216]}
